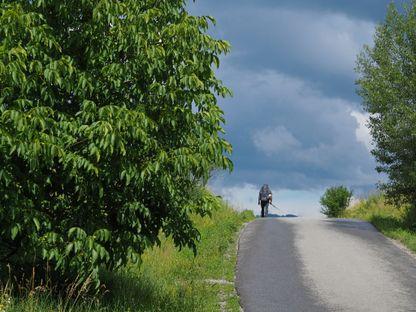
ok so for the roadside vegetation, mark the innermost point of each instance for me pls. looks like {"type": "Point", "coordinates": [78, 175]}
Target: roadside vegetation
{"type": "Point", "coordinates": [387, 86]}
{"type": "Point", "coordinates": [395, 222]}
{"type": "Point", "coordinates": [109, 131]}
{"type": "Point", "coordinates": [167, 279]}
{"type": "Point", "coordinates": [335, 200]}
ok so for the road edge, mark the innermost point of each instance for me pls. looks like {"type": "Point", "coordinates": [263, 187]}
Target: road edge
{"type": "Point", "coordinates": [240, 233]}
{"type": "Point", "coordinates": [394, 241]}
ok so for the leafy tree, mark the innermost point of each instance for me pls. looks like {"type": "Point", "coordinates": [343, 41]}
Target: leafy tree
{"type": "Point", "coordinates": [109, 129]}
{"type": "Point", "coordinates": [387, 85]}
{"type": "Point", "coordinates": [335, 200]}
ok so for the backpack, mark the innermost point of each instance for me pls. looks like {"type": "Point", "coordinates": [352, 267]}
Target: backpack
{"type": "Point", "coordinates": [264, 193]}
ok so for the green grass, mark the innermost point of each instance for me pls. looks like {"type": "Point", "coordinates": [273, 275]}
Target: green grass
{"type": "Point", "coordinates": [394, 222]}
{"type": "Point", "coordinates": [167, 280]}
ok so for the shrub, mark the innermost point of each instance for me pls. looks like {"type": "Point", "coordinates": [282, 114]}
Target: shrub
{"type": "Point", "coordinates": [109, 128]}
{"type": "Point", "coordinates": [335, 200]}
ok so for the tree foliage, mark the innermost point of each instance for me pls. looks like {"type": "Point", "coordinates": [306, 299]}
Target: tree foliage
{"type": "Point", "coordinates": [109, 127]}
{"type": "Point", "coordinates": [335, 200]}
{"type": "Point", "coordinates": [387, 85]}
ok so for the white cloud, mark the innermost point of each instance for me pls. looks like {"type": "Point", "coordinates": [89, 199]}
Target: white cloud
{"type": "Point", "coordinates": [241, 197]}
{"type": "Point", "coordinates": [273, 140]}
{"type": "Point", "coordinates": [314, 138]}
{"type": "Point", "coordinates": [362, 132]}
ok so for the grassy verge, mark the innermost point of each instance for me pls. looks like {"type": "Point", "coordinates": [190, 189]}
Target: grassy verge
{"type": "Point", "coordinates": [388, 219]}
{"type": "Point", "coordinates": [167, 280]}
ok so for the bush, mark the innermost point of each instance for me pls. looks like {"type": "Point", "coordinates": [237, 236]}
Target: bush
{"type": "Point", "coordinates": [335, 200]}
{"type": "Point", "coordinates": [393, 221]}
{"type": "Point", "coordinates": [109, 128]}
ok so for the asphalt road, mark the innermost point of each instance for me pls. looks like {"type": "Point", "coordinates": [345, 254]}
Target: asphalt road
{"type": "Point", "coordinates": [296, 264]}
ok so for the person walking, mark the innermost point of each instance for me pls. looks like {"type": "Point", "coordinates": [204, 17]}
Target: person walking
{"type": "Point", "coordinates": [265, 197]}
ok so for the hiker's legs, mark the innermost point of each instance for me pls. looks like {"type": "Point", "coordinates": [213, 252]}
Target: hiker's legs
{"type": "Point", "coordinates": [264, 208]}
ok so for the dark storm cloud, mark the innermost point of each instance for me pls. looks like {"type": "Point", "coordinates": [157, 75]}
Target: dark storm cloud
{"type": "Point", "coordinates": [364, 9]}
{"type": "Point", "coordinates": [320, 46]}
{"type": "Point", "coordinates": [292, 73]}
{"type": "Point", "coordinates": [285, 131]}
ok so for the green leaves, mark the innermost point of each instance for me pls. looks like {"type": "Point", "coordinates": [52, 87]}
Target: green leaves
{"type": "Point", "coordinates": [335, 200]}
{"type": "Point", "coordinates": [387, 86]}
{"type": "Point", "coordinates": [109, 129]}
{"type": "Point", "coordinates": [14, 231]}
{"type": "Point", "coordinates": [37, 223]}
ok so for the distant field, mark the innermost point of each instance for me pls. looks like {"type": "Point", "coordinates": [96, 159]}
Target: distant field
{"type": "Point", "coordinates": [391, 221]}
{"type": "Point", "coordinates": [167, 280]}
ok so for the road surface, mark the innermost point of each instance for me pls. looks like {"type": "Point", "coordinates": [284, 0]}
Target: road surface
{"type": "Point", "coordinates": [297, 264]}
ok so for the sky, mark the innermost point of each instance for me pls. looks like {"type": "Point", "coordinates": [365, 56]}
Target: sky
{"type": "Point", "coordinates": [295, 120]}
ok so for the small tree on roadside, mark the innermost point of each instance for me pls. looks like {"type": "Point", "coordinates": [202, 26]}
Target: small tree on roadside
{"type": "Point", "coordinates": [387, 85]}
{"type": "Point", "coordinates": [335, 200]}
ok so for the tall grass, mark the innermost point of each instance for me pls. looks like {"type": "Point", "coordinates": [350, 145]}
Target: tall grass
{"type": "Point", "coordinates": [167, 279]}
{"type": "Point", "coordinates": [395, 222]}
